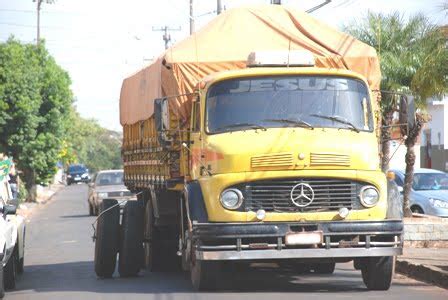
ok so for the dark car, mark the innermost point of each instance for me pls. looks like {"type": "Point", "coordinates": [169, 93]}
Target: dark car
{"type": "Point", "coordinates": [77, 173]}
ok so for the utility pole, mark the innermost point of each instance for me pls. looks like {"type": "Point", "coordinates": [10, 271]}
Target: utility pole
{"type": "Point", "coordinates": [38, 6]}
{"type": "Point", "coordinates": [191, 18]}
{"type": "Point", "coordinates": [218, 7]}
{"type": "Point", "coordinates": [166, 36]}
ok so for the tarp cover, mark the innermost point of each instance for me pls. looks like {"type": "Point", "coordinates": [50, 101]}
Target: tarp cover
{"type": "Point", "coordinates": [225, 44]}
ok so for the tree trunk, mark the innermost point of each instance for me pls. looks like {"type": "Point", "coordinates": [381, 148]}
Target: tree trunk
{"type": "Point", "coordinates": [410, 141]}
{"type": "Point", "coordinates": [385, 138]}
{"type": "Point", "coordinates": [30, 185]}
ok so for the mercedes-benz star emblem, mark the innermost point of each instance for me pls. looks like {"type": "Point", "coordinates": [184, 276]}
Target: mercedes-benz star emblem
{"type": "Point", "coordinates": [302, 195]}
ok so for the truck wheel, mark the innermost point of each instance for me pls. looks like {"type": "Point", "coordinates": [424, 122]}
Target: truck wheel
{"type": "Point", "coordinates": [204, 274]}
{"type": "Point", "coordinates": [324, 268]}
{"type": "Point", "coordinates": [131, 249]}
{"type": "Point", "coordinates": [155, 256]}
{"type": "Point", "coordinates": [2, 285]}
{"type": "Point", "coordinates": [377, 272]}
{"type": "Point", "coordinates": [107, 239]}
{"type": "Point", "coordinates": [10, 272]}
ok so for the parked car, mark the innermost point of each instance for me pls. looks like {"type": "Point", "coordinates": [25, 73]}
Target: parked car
{"type": "Point", "coordinates": [12, 241]}
{"type": "Point", "coordinates": [107, 184]}
{"type": "Point", "coordinates": [77, 173]}
{"type": "Point", "coordinates": [429, 194]}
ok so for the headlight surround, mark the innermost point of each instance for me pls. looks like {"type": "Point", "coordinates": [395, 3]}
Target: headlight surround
{"type": "Point", "coordinates": [102, 195]}
{"type": "Point", "coordinates": [85, 175]}
{"type": "Point", "coordinates": [369, 196]}
{"type": "Point", "coordinates": [231, 198]}
{"type": "Point", "coordinates": [437, 203]}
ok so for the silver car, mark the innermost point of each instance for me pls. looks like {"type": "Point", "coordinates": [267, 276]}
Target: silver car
{"type": "Point", "coordinates": [107, 184]}
{"type": "Point", "coordinates": [429, 193]}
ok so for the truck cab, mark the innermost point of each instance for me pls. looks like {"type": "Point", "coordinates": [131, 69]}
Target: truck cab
{"type": "Point", "coordinates": [284, 165]}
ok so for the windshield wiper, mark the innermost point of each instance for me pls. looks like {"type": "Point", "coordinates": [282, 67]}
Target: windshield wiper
{"type": "Point", "coordinates": [337, 119]}
{"type": "Point", "coordinates": [292, 121]}
{"type": "Point", "coordinates": [249, 125]}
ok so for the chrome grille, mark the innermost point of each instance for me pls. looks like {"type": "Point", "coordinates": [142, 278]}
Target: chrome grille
{"type": "Point", "coordinates": [274, 195]}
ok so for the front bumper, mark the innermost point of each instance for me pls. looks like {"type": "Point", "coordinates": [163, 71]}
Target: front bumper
{"type": "Point", "coordinates": [261, 241]}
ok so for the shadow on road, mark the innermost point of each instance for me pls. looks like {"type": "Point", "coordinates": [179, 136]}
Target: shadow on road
{"type": "Point", "coordinates": [80, 276]}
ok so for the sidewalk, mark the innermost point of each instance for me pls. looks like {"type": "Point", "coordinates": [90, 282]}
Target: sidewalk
{"type": "Point", "coordinates": [425, 264]}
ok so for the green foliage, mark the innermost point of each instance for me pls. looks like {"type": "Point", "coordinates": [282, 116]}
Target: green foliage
{"type": "Point", "coordinates": [35, 99]}
{"type": "Point", "coordinates": [413, 53]}
{"type": "Point", "coordinates": [90, 144]}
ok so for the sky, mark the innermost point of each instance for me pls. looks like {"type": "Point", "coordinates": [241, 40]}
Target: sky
{"type": "Point", "coordinates": [101, 42]}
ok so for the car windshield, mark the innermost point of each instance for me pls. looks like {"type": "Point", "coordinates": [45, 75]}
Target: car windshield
{"type": "Point", "coordinates": [288, 101]}
{"type": "Point", "coordinates": [430, 181]}
{"type": "Point", "coordinates": [109, 178]}
{"type": "Point", "coordinates": [76, 168]}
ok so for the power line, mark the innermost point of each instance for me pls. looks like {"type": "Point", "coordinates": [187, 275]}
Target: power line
{"type": "Point", "coordinates": [31, 26]}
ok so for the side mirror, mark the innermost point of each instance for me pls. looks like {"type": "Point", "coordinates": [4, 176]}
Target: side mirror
{"type": "Point", "coordinates": [9, 209]}
{"type": "Point", "coordinates": [400, 189]}
{"type": "Point", "coordinates": [162, 120]}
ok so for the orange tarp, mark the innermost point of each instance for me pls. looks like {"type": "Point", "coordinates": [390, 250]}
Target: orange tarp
{"type": "Point", "coordinates": [225, 44]}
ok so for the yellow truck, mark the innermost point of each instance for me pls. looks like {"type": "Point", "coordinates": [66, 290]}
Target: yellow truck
{"type": "Point", "coordinates": [254, 139]}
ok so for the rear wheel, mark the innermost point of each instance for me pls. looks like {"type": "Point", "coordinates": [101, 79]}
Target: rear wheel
{"type": "Point", "coordinates": [377, 272]}
{"type": "Point", "coordinates": [417, 210]}
{"type": "Point", "coordinates": [204, 274]}
{"type": "Point", "coordinates": [11, 272]}
{"type": "Point", "coordinates": [131, 249]}
{"type": "Point", "coordinates": [159, 246]}
{"type": "Point", "coordinates": [107, 239]}
{"type": "Point", "coordinates": [324, 268]}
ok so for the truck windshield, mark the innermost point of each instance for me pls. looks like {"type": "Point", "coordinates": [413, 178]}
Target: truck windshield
{"type": "Point", "coordinates": [294, 101]}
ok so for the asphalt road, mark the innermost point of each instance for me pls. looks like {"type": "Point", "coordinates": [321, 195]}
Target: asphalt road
{"type": "Point", "coordinates": [59, 265]}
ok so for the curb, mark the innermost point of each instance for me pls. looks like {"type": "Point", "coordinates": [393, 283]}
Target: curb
{"type": "Point", "coordinates": [430, 274]}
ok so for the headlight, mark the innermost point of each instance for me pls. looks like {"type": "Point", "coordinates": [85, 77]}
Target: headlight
{"type": "Point", "coordinates": [69, 176]}
{"type": "Point", "coordinates": [85, 175]}
{"type": "Point", "coordinates": [436, 203]}
{"type": "Point", "coordinates": [369, 196]}
{"type": "Point", "coordinates": [102, 195]}
{"type": "Point", "coordinates": [231, 198]}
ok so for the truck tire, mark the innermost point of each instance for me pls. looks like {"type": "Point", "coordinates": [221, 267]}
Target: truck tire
{"type": "Point", "coordinates": [10, 272]}
{"type": "Point", "coordinates": [156, 257]}
{"type": "Point", "coordinates": [131, 248]}
{"type": "Point", "coordinates": [204, 274]}
{"type": "Point", "coordinates": [107, 239]}
{"type": "Point", "coordinates": [2, 285]}
{"type": "Point", "coordinates": [377, 272]}
{"type": "Point", "coordinates": [324, 268]}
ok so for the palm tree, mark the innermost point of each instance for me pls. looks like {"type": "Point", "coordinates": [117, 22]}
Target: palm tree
{"type": "Point", "coordinates": [414, 60]}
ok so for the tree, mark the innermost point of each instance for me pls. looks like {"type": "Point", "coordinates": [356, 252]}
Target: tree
{"type": "Point", "coordinates": [414, 60]}
{"type": "Point", "coordinates": [89, 143]}
{"type": "Point", "coordinates": [35, 99]}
